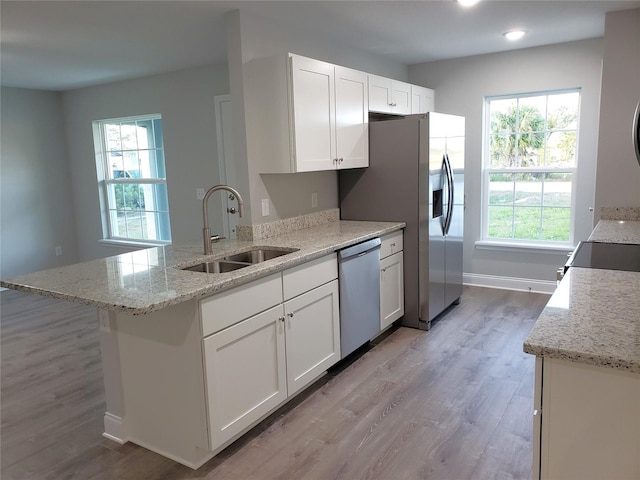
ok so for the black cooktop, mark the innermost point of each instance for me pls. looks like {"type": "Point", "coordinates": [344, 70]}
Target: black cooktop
{"type": "Point", "coordinates": [609, 256]}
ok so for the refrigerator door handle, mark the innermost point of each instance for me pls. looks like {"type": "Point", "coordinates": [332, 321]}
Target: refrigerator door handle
{"type": "Point", "coordinates": [444, 184]}
{"type": "Point", "coordinates": [450, 192]}
{"type": "Point", "coordinates": [636, 132]}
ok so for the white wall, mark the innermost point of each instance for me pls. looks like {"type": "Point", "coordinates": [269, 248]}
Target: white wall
{"type": "Point", "coordinates": [618, 179]}
{"type": "Point", "coordinates": [185, 99]}
{"type": "Point", "coordinates": [259, 45]}
{"type": "Point", "coordinates": [36, 208]}
{"type": "Point", "coordinates": [461, 86]}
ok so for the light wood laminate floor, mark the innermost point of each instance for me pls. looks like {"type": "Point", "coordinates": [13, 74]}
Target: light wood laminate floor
{"type": "Point", "coordinates": [452, 403]}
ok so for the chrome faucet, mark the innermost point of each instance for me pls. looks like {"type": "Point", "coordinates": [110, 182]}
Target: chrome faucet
{"type": "Point", "coordinates": [206, 233]}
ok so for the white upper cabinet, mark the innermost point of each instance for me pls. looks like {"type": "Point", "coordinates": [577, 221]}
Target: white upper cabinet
{"type": "Point", "coordinates": [313, 115]}
{"type": "Point", "coordinates": [329, 116]}
{"type": "Point", "coordinates": [389, 96]}
{"type": "Point", "coordinates": [352, 118]}
{"type": "Point", "coordinates": [421, 99]}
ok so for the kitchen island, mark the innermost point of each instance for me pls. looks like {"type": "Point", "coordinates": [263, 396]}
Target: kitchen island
{"type": "Point", "coordinates": [191, 360]}
{"type": "Point", "coordinates": [587, 388]}
{"type": "Point", "coordinates": [152, 279]}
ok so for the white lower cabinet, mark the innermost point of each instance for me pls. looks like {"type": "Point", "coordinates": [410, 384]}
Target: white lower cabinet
{"type": "Point", "coordinates": [254, 365]}
{"type": "Point", "coordinates": [391, 289]}
{"type": "Point", "coordinates": [245, 374]}
{"type": "Point", "coordinates": [312, 333]}
{"type": "Point", "coordinates": [391, 279]}
{"type": "Point", "coordinates": [586, 423]}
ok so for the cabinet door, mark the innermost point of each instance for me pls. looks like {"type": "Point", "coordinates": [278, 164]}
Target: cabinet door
{"type": "Point", "coordinates": [391, 289]}
{"type": "Point", "coordinates": [401, 98]}
{"type": "Point", "coordinates": [245, 374]}
{"type": "Point", "coordinates": [312, 325]}
{"type": "Point", "coordinates": [590, 422]}
{"type": "Point", "coordinates": [352, 118]}
{"type": "Point", "coordinates": [313, 113]}
{"type": "Point", "coordinates": [380, 94]}
{"type": "Point", "coordinates": [421, 99]}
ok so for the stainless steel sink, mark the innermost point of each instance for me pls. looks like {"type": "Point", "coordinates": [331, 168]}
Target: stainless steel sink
{"type": "Point", "coordinates": [231, 263]}
{"type": "Point", "coordinates": [260, 254]}
{"type": "Point", "coordinates": [218, 266]}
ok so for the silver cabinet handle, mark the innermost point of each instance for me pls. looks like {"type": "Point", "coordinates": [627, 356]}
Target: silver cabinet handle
{"type": "Point", "coordinates": [341, 160]}
{"type": "Point", "coordinates": [290, 314]}
{"type": "Point", "coordinates": [281, 319]}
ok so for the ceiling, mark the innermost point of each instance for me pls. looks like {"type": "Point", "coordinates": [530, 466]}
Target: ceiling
{"type": "Point", "coordinates": [61, 45]}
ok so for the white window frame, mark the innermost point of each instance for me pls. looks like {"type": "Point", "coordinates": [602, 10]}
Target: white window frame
{"type": "Point", "coordinates": [522, 244]}
{"type": "Point", "coordinates": [104, 182]}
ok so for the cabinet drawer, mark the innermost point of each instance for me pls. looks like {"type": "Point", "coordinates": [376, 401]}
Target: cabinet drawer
{"type": "Point", "coordinates": [303, 278]}
{"type": "Point", "coordinates": [227, 308]}
{"type": "Point", "coordinates": [391, 243]}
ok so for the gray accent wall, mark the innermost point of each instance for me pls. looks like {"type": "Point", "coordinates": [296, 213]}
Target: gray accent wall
{"type": "Point", "coordinates": [185, 99]}
{"type": "Point", "coordinates": [461, 86]}
{"type": "Point", "coordinates": [36, 205]}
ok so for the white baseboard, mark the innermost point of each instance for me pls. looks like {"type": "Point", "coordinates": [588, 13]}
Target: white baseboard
{"type": "Point", "coordinates": [114, 428]}
{"type": "Point", "coordinates": [509, 283]}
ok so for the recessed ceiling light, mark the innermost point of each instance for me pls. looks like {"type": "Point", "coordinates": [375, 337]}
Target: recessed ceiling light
{"type": "Point", "coordinates": [514, 35]}
{"type": "Point", "coordinates": [467, 3]}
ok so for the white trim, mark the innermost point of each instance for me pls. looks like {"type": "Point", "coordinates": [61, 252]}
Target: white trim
{"type": "Point", "coordinates": [131, 243]}
{"type": "Point", "coordinates": [524, 247]}
{"type": "Point", "coordinates": [509, 283]}
{"type": "Point", "coordinates": [114, 428]}
{"type": "Point", "coordinates": [204, 455]}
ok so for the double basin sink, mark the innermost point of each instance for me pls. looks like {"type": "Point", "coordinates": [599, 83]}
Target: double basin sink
{"type": "Point", "coordinates": [237, 261]}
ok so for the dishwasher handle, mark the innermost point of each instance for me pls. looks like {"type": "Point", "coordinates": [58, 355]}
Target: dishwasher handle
{"type": "Point", "coordinates": [359, 249]}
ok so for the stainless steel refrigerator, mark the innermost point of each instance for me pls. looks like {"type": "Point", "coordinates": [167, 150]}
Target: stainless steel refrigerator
{"type": "Point", "coordinates": [416, 175]}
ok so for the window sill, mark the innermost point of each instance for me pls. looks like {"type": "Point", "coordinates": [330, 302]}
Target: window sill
{"type": "Point", "coordinates": [131, 244]}
{"type": "Point", "coordinates": [554, 249]}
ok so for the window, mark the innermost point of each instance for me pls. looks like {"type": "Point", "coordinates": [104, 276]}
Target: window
{"type": "Point", "coordinates": [131, 173]}
{"type": "Point", "coordinates": [530, 166]}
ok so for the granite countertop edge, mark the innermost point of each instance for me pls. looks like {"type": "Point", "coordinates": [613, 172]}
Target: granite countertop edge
{"type": "Point", "coordinates": [312, 243]}
{"type": "Point", "coordinates": [592, 318]}
{"type": "Point", "coordinates": [580, 357]}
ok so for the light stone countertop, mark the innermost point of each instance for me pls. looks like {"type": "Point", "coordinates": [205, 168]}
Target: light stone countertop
{"type": "Point", "coordinates": [593, 317]}
{"type": "Point", "coordinates": [151, 279]}
{"type": "Point", "coordinates": [616, 231]}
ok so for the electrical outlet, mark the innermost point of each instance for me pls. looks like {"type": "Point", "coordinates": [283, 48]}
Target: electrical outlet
{"type": "Point", "coordinates": [314, 199]}
{"type": "Point", "coordinates": [58, 251]}
{"type": "Point", "coordinates": [265, 207]}
{"type": "Point", "coordinates": [200, 193]}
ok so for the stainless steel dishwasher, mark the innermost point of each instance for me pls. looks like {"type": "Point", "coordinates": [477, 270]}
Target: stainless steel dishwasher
{"type": "Point", "coordinates": [359, 278]}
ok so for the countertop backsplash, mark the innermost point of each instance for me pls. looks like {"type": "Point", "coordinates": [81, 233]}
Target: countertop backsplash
{"type": "Point", "coordinates": [620, 213]}
{"type": "Point", "coordinates": [261, 231]}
